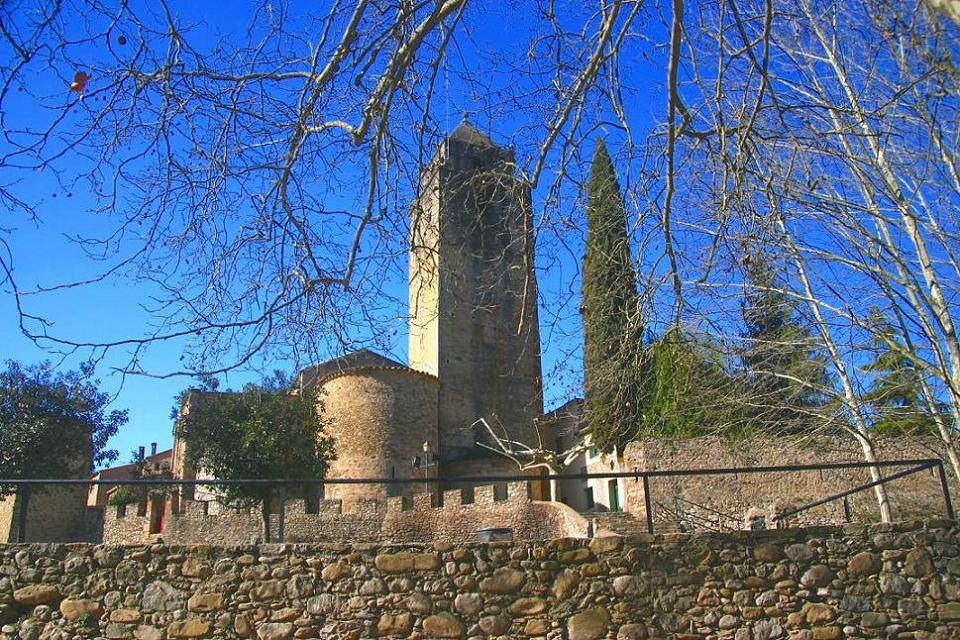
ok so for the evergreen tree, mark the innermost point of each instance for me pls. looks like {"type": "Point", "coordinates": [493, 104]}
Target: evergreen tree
{"type": "Point", "coordinates": [689, 391]}
{"type": "Point", "coordinates": [611, 376]}
{"type": "Point", "coordinates": [52, 425]}
{"type": "Point", "coordinates": [786, 373]}
{"type": "Point", "coordinates": [895, 396]}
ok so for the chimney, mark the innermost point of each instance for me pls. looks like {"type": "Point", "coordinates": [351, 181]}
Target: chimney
{"type": "Point", "coordinates": [140, 454]}
{"type": "Point", "coordinates": [153, 448]}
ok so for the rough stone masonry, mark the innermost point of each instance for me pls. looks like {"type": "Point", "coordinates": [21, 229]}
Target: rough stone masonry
{"type": "Point", "coordinates": [876, 581]}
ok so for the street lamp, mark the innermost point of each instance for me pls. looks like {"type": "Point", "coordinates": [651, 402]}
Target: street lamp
{"type": "Point", "coordinates": [425, 463]}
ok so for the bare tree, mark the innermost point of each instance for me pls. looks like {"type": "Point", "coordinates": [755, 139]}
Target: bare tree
{"type": "Point", "coordinates": [528, 457]}
{"type": "Point", "coordinates": [259, 185]}
{"type": "Point", "coordinates": [828, 134]}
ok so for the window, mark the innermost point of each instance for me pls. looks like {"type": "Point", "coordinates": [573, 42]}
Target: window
{"type": "Point", "coordinates": [588, 494]}
{"type": "Point", "coordinates": [594, 452]}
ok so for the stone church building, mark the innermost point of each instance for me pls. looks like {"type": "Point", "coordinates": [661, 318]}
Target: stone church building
{"type": "Point", "coordinates": [474, 344]}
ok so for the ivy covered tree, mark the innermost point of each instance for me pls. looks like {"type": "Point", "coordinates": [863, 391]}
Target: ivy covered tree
{"type": "Point", "coordinates": [895, 395]}
{"type": "Point", "coordinates": [52, 425]}
{"type": "Point", "coordinates": [611, 328]}
{"type": "Point", "coordinates": [786, 372]}
{"type": "Point", "coordinates": [261, 432]}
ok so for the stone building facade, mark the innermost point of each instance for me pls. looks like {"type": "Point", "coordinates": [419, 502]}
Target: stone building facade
{"type": "Point", "coordinates": [52, 514]}
{"type": "Point", "coordinates": [155, 462]}
{"type": "Point", "coordinates": [381, 416]}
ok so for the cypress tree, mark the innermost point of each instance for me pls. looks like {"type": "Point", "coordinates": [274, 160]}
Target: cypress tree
{"type": "Point", "coordinates": [609, 309]}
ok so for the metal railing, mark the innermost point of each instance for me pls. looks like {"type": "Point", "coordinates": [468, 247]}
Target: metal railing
{"type": "Point", "coordinates": [687, 511]}
{"type": "Point", "coordinates": [914, 466]}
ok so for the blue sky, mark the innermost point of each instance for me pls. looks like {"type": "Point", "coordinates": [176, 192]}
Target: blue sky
{"type": "Point", "coordinates": [44, 256]}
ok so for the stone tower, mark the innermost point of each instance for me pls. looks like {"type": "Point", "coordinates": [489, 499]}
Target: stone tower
{"type": "Point", "coordinates": [473, 295]}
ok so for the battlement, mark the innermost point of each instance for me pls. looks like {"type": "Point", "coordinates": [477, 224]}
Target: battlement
{"type": "Point", "coordinates": [449, 515]}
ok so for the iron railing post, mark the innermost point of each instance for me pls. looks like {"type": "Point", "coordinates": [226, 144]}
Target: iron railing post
{"type": "Point", "coordinates": [23, 495]}
{"type": "Point", "coordinates": [282, 513]}
{"type": "Point", "coordinates": [648, 503]}
{"type": "Point", "coordinates": [946, 491]}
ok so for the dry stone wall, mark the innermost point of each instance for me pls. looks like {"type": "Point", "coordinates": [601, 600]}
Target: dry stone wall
{"type": "Point", "coordinates": [881, 581]}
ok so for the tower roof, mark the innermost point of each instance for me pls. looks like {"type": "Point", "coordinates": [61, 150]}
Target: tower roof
{"type": "Point", "coordinates": [352, 360]}
{"type": "Point", "coordinates": [468, 133]}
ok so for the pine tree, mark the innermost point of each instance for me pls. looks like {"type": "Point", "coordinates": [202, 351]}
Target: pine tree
{"type": "Point", "coordinates": [786, 373]}
{"type": "Point", "coordinates": [895, 396]}
{"type": "Point", "coordinates": [611, 332]}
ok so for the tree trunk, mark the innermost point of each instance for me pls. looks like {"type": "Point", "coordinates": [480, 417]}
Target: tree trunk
{"type": "Point", "coordinates": [938, 303]}
{"type": "Point", "coordinates": [859, 428]}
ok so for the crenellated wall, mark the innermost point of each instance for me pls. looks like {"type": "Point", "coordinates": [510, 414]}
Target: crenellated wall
{"type": "Point", "coordinates": [396, 519]}
{"type": "Point", "coordinates": [898, 581]}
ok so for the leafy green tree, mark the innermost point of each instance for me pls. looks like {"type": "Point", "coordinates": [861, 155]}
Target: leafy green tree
{"type": "Point", "coordinates": [52, 425]}
{"type": "Point", "coordinates": [786, 373]}
{"type": "Point", "coordinates": [894, 396]}
{"type": "Point", "coordinates": [261, 432]}
{"type": "Point", "coordinates": [612, 390]}
{"type": "Point", "coordinates": [690, 393]}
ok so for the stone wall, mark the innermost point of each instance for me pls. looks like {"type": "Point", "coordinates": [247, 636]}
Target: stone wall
{"type": "Point", "coordinates": [723, 501]}
{"type": "Point", "coordinates": [54, 514]}
{"type": "Point", "coordinates": [396, 519]}
{"type": "Point", "coordinates": [880, 581]}
{"type": "Point", "coordinates": [380, 418]}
